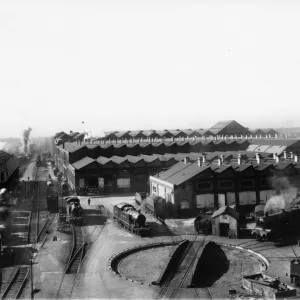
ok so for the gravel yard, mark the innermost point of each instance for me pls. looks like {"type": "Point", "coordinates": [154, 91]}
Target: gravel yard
{"type": "Point", "coordinates": [242, 263]}
{"type": "Point", "coordinates": [146, 265]}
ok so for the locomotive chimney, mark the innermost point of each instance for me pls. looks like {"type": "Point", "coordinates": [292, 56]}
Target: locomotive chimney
{"type": "Point", "coordinates": [199, 161]}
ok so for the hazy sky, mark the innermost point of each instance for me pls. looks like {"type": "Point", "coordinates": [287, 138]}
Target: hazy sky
{"type": "Point", "coordinates": [121, 65]}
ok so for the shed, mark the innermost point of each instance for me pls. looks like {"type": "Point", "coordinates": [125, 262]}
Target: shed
{"type": "Point", "coordinates": [225, 222]}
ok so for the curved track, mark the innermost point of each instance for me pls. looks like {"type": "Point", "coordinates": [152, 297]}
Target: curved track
{"type": "Point", "coordinates": [16, 284]}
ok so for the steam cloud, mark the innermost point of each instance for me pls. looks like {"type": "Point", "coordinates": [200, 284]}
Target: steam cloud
{"type": "Point", "coordinates": [26, 136]}
{"type": "Point", "coordinates": [287, 198]}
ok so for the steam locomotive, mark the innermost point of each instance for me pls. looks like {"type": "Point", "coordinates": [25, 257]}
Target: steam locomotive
{"type": "Point", "coordinates": [128, 217]}
{"type": "Point", "coordinates": [278, 226]}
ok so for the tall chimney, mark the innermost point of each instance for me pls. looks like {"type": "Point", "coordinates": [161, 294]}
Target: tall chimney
{"type": "Point", "coordinates": [296, 158]}
{"type": "Point", "coordinates": [239, 159]}
{"type": "Point", "coordinates": [219, 161]}
{"type": "Point", "coordinates": [199, 161]}
{"type": "Point", "coordinates": [185, 160]}
{"type": "Point", "coordinates": [258, 158]}
{"type": "Point", "coordinates": [284, 155]}
{"type": "Point", "coordinates": [274, 155]}
{"type": "Point", "coordinates": [222, 158]}
{"type": "Point", "coordinates": [276, 158]}
{"type": "Point", "coordinates": [292, 155]}
{"type": "Point", "coordinates": [203, 159]}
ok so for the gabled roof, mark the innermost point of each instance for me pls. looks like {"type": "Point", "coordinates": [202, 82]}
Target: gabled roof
{"type": "Point", "coordinates": [234, 128]}
{"type": "Point", "coordinates": [118, 159]}
{"type": "Point", "coordinates": [226, 210]}
{"type": "Point", "coordinates": [134, 159]}
{"type": "Point", "coordinates": [103, 160]}
{"type": "Point", "coordinates": [150, 159]}
{"type": "Point", "coordinates": [82, 163]}
{"type": "Point", "coordinates": [283, 165]}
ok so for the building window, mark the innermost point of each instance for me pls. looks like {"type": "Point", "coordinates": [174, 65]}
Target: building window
{"type": "Point", "coordinates": [169, 197]}
{"type": "Point", "coordinates": [247, 184]}
{"type": "Point", "coordinates": [226, 185]}
{"type": "Point", "coordinates": [184, 204]}
{"type": "Point", "coordinates": [204, 185]}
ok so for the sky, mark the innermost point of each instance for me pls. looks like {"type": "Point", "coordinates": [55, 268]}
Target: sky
{"type": "Point", "coordinates": [125, 65]}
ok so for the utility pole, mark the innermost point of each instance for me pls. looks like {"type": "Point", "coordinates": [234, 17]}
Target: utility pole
{"type": "Point", "coordinates": [31, 274]}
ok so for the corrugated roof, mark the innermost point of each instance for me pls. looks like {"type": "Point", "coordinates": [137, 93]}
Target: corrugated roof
{"type": "Point", "coordinates": [279, 142]}
{"type": "Point", "coordinates": [82, 163]}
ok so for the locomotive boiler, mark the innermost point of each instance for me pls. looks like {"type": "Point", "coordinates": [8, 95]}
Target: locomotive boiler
{"type": "Point", "coordinates": [278, 226]}
{"type": "Point", "coordinates": [128, 217]}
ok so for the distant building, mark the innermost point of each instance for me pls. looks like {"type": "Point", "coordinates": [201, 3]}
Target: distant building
{"type": "Point", "coordinates": [229, 128]}
{"type": "Point", "coordinates": [9, 168]}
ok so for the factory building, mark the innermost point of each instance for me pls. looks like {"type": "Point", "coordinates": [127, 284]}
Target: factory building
{"type": "Point", "coordinates": [229, 128]}
{"type": "Point", "coordinates": [243, 181]}
{"type": "Point", "coordinates": [9, 169]}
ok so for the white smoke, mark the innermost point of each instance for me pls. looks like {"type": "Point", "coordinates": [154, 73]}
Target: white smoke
{"type": "Point", "coordinates": [287, 197]}
{"type": "Point", "coordinates": [2, 145]}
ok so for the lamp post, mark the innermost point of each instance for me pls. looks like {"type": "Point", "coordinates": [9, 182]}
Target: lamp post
{"type": "Point", "coordinates": [31, 273]}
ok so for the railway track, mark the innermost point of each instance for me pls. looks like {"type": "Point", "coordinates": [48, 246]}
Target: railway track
{"type": "Point", "coordinates": [46, 227]}
{"type": "Point", "coordinates": [34, 218]}
{"type": "Point", "coordinates": [184, 266]}
{"type": "Point", "coordinates": [16, 284]}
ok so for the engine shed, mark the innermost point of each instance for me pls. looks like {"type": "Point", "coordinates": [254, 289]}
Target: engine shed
{"type": "Point", "coordinates": [225, 222]}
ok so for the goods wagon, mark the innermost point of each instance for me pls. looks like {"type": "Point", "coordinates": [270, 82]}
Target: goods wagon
{"type": "Point", "coordinates": [52, 202]}
{"type": "Point", "coordinates": [128, 217]}
{"type": "Point", "coordinates": [156, 206]}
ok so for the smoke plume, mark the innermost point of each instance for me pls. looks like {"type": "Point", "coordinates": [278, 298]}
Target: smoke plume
{"type": "Point", "coordinates": [26, 136]}
{"type": "Point", "coordinates": [287, 197]}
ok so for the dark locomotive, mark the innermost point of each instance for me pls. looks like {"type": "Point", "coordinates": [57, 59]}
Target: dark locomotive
{"type": "Point", "coordinates": [128, 217]}
{"type": "Point", "coordinates": [277, 226]}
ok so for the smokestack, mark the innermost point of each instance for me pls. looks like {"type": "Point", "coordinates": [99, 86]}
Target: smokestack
{"type": "Point", "coordinates": [284, 155]}
{"type": "Point", "coordinates": [274, 155]}
{"type": "Point", "coordinates": [296, 158]}
{"type": "Point", "coordinates": [199, 161]}
{"type": "Point", "coordinates": [222, 158]}
{"type": "Point", "coordinates": [185, 160]}
{"type": "Point", "coordinates": [276, 159]}
{"type": "Point", "coordinates": [203, 159]}
{"type": "Point", "coordinates": [292, 155]}
{"type": "Point", "coordinates": [239, 159]}
{"type": "Point", "coordinates": [258, 158]}
{"type": "Point", "coordinates": [219, 161]}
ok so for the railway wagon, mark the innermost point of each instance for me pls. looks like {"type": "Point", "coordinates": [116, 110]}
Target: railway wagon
{"type": "Point", "coordinates": [295, 271]}
{"type": "Point", "coordinates": [156, 206]}
{"type": "Point", "coordinates": [278, 226]}
{"type": "Point", "coordinates": [52, 202]}
{"type": "Point", "coordinates": [128, 217]}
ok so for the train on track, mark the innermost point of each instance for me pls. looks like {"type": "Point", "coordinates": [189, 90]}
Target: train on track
{"type": "Point", "coordinates": [202, 223]}
{"type": "Point", "coordinates": [278, 226]}
{"type": "Point", "coordinates": [128, 217]}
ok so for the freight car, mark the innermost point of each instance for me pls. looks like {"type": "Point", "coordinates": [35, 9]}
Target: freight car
{"type": "Point", "coordinates": [278, 226]}
{"type": "Point", "coordinates": [156, 206]}
{"type": "Point", "coordinates": [128, 217]}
